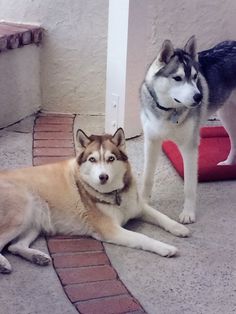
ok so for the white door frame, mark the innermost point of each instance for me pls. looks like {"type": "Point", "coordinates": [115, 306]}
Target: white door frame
{"type": "Point", "coordinates": [126, 57]}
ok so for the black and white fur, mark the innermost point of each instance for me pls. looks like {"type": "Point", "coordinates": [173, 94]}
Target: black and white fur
{"type": "Point", "coordinates": [182, 89]}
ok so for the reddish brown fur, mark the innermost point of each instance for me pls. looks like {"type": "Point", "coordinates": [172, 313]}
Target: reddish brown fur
{"type": "Point", "coordinates": [104, 141]}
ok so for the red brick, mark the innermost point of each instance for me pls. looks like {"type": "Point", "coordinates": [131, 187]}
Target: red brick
{"type": "Point", "coordinates": [54, 143]}
{"type": "Point", "coordinates": [80, 259]}
{"type": "Point", "coordinates": [114, 305]}
{"type": "Point", "coordinates": [94, 290]}
{"type": "Point", "coordinates": [86, 274]}
{"type": "Point", "coordinates": [37, 161]}
{"type": "Point", "coordinates": [42, 127]}
{"type": "Point", "coordinates": [53, 135]}
{"type": "Point", "coordinates": [74, 245]}
{"type": "Point", "coordinates": [54, 152]}
{"type": "Point", "coordinates": [56, 114]}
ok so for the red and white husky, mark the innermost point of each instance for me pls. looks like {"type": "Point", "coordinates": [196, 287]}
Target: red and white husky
{"type": "Point", "coordinates": [93, 194]}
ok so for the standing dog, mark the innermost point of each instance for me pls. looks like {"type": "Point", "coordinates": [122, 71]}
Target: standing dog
{"type": "Point", "coordinates": [93, 194]}
{"type": "Point", "coordinates": [178, 93]}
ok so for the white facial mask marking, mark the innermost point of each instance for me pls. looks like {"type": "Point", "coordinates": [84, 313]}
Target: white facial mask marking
{"type": "Point", "coordinates": [90, 172]}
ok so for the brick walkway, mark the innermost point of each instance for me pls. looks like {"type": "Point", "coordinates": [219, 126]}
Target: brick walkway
{"type": "Point", "coordinates": [84, 269]}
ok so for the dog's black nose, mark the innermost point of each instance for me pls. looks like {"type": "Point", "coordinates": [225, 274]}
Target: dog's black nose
{"type": "Point", "coordinates": [103, 178]}
{"type": "Point", "coordinates": [197, 98]}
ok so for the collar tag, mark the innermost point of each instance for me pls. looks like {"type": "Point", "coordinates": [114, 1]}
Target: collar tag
{"type": "Point", "coordinates": [118, 198]}
{"type": "Point", "coordinates": [175, 117]}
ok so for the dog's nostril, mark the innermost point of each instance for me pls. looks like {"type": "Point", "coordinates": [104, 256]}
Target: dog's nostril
{"type": "Point", "coordinates": [197, 97]}
{"type": "Point", "coordinates": [103, 177]}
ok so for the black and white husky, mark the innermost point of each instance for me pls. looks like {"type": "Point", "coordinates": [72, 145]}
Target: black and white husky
{"type": "Point", "coordinates": [181, 89]}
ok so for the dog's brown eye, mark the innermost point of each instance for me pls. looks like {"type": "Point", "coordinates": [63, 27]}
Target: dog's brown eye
{"type": "Point", "coordinates": [111, 158]}
{"type": "Point", "coordinates": [92, 159]}
{"type": "Point", "coordinates": [195, 76]}
{"type": "Point", "coordinates": [177, 78]}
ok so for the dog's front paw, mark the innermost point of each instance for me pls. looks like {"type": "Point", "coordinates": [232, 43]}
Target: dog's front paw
{"type": "Point", "coordinates": [41, 259]}
{"type": "Point", "coordinates": [180, 230]}
{"type": "Point", "coordinates": [168, 251]}
{"type": "Point", "coordinates": [225, 163]}
{"type": "Point", "coordinates": [231, 160]}
{"type": "Point", "coordinates": [187, 217]}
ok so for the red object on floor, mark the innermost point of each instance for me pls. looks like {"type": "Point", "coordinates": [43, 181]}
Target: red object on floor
{"type": "Point", "coordinates": [214, 147]}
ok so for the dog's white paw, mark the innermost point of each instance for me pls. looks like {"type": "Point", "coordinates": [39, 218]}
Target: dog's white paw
{"type": "Point", "coordinates": [5, 266]}
{"type": "Point", "coordinates": [41, 259]}
{"type": "Point", "coordinates": [168, 251]}
{"type": "Point", "coordinates": [180, 230]}
{"type": "Point", "coordinates": [231, 159]}
{"type": "Point", "coordinates": [225, 163]}
{"type": "Point", "coordinates": [187, 217]}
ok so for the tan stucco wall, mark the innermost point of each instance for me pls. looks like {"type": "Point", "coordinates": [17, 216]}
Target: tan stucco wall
{"type": "Point", "coordinates": [19, 84]}
{"type": "Point", "coordinates": [73, 58]}
{"type": "Point", "coordinates": [211, 21]}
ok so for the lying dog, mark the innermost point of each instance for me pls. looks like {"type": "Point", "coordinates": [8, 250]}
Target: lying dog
{"type": "Point", "coordinates": [93, 194]}
{"type": "Point", "coordinates": [179, 92]}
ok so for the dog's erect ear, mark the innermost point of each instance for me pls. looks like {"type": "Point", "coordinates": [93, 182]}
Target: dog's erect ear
{"type": "Point", "coordinates": [167, 51]}
{"type": "Point", "coordinates": [191, 47]}
{"type": "Point", "coordinates": [82, 139]}
{"type": "Point", "coordinates": [119, 138]}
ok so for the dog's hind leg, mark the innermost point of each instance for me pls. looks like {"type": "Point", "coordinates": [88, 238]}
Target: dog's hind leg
{"type": "Point", "coordinates": [190, 160]}
{"type": "Point", "coordinates": [12, 224]}
{"type": "Point", "coordinates": [21, 247]}
{"type": "Point", "coordinates": [153, 216]}
{"type": "Point", "coordinates": [8, 232]}
{"type": "Point", "coordinates": [227, 115]}
{"type": "Point", "coordinates": [6, 237]}
{"type": "Point", "coordinates": [151, 153]}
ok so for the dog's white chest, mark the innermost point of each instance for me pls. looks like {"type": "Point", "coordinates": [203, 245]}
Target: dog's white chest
{"type": "Point", "coordinates": [156, 127]}
{"type": "Point", "coordinates": [128, 209]}
{"type": "Point", "coordinates": [162, 129]}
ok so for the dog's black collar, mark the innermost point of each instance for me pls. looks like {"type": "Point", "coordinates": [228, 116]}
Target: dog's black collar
{"type": "Point", "coordinates": [176, 116]}
{"type": "Point", "coordinates": [152, 94]}
{"type": "Point", "coordinates": [118, 199]}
